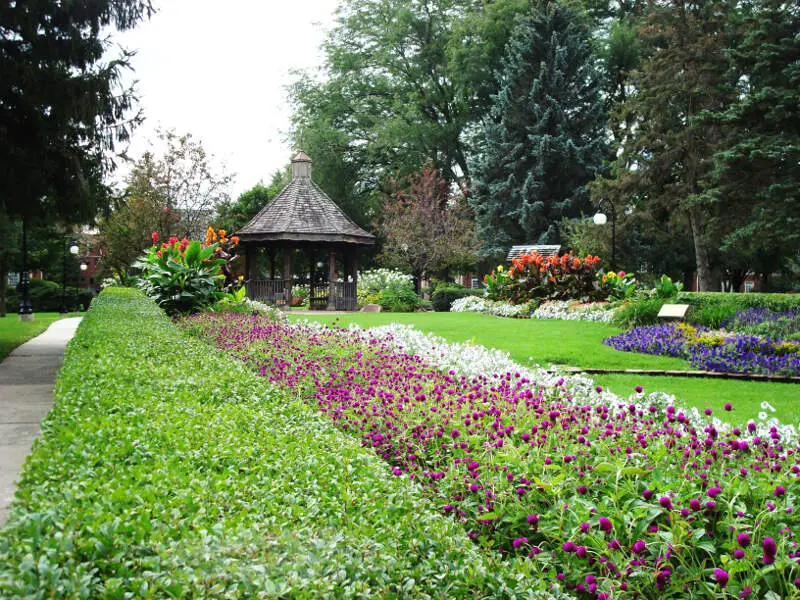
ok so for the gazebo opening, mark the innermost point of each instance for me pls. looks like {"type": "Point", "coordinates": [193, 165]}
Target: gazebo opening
{"type": "Point", "coordinates": [301, 237]}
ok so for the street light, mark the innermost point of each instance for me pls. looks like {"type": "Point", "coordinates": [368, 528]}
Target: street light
{"type": "Point", "coordinates": [73, 249]}
{"type": "Point", "coordinates": [601, 219]}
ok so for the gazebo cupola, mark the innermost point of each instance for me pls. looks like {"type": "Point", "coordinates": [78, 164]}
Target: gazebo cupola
{"type": "Point", "coordinates": [302, 227]}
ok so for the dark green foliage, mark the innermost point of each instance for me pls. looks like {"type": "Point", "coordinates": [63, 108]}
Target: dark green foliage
{"type": "Point", "coordinates": [711, 315]}
{"type": "Point", "coordinates": [46, 296]}
{"type": "Point", "coordinates": [544, 139]}
{"type": "Point", "coordinates": [168, 470]}
{"type": "Point", "coordinates": [61, 104]}
{"type": "Point", "coordinates": [445, 295]}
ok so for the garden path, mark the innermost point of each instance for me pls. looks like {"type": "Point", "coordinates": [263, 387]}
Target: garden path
{"type": "Point", "coordinates": [27, 379]}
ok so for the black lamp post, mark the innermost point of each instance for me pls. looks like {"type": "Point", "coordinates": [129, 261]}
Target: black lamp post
{"type": "Point", "coordinates": [73, 249]}
{"type": "Point", "coordinates": [601, 219]}
{"type": "Point", "coordinates": [25, 306]}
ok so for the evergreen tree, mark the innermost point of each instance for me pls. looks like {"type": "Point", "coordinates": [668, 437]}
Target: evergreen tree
{"type": "Point", "coordinates": [544, 139]}
{"type": "Point", "coordinates": [758, 171]}
{"type": "Point", "coordinates": [665, 163]}
{"type": "Point", "coordinates": [61, 106]}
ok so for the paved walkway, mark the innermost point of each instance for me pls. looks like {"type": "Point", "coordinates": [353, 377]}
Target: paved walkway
{"type": "Point", "coordinates": [27, 379]}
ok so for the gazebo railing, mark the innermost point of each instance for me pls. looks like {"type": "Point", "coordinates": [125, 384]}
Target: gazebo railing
{"type": "Point", "coordinates": [266, 290]}
{"type": "Point", "coordinates": [344, 296]}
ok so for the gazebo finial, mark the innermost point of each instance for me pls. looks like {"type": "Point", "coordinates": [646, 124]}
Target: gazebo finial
{"type": "Point", "coordinates": [301, 165]}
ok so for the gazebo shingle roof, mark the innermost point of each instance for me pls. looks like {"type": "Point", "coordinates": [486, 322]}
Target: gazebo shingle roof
{"type": "Point", "coordinates": [302, 212]}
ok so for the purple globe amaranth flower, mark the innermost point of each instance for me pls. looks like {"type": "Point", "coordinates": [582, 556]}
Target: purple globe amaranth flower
{"type": "Point", "coordinates": [743, 540]}
{"type": "Point", "coordinates": [585, 527]}
{"type": "Point", "coordinates": [639, 389]}
{"type": "Point", "coordinates": [639, 546]}
{"type": "Point", "coordinates": [569, 547]}
{"type": "Point", "coordinates": [665, 502]}
{"type": "Point", "coordinates": [714, 492]}
{"type": "Point", "coordinates": [647, 494]}
{"type": "Point", "coordinates": [533, 519]}
{"type": "Point", "coordinates": [779, 491]}
{"type": "Point", "coordinates": [721, 576]}
{"type": "Point", "coordinates": [738, 553]}
{"type": "Point", "coordinates": [519, 541]}
{"type": "Point", "coordinates": [605, 524]}
{"type": "Point", "coordinates": [455, 433]}
{"type": "Point", "coordinates": [694, 504]}
{"type": "Point", "coordinates": [728, 406]}
{"type": "Point", "coordinates": [746, 591]}
{"type": "Point", "coordinates": [769, 546]}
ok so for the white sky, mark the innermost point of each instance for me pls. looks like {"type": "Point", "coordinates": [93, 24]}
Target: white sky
{"type": "Point", "coordinates": [219, 71]}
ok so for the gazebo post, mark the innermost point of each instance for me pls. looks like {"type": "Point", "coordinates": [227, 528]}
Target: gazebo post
{"type": "Point", "coordinates": [271, 256]}
{"type": "Point", "coordinates": [331, 278]}
{"type": "Point", "coordinates": [354, 265]}
{"type": "Point", "coordinates": [248, 261]}
{"type": "Point", "coordinates": [288, 250]}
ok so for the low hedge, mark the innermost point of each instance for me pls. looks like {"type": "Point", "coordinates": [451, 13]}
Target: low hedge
{"type": "Point", "coordinates": [445, 295]}
{"type": "Point", "coordinates": [166, 469]}
{"type": "Point", "coordinates": [46, 296]}
{"type": "Point", "coordinates": [709, 309]}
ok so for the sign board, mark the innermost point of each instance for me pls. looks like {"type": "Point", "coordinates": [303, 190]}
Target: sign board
{"type": "Point", "coordinates": [673, 311]}
{"type": "Point", "coordinates": [13, 280]}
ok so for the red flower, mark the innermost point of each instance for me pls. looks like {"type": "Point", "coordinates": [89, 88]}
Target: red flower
{"type": "Point", "coordinates": [154, 237]}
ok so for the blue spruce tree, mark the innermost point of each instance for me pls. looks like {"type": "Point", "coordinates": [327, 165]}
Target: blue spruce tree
{"type": "Point", "coordinates": [544, 138]}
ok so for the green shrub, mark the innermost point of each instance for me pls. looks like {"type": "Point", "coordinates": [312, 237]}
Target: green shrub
{"type": "Point", "coordinates": [398, 299]}
{"type": "Point", "coordinates": [640, 312]}
{"type": "Point", "coordinates": [711, 314]}
{"type": "Point", "coordinates": [47, 296]}
{"type": "Point", "coordinates": [166, 469]}
{"type": "Point", "coordinates": [446, 294]}
{"type": "Point", "coordinates": [774, 302]}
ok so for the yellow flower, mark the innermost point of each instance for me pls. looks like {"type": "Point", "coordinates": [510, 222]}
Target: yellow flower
{"type": "Point", "coordinates": [500, 268]}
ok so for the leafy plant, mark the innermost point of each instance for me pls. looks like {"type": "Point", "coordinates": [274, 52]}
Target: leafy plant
{"type": "Point", "coordinates": [617, 286]}
{"type": "Point", "coordinates": [564, 277]}
{"type": "Point", "coordinates": [186, 276]}
{"type": "Point", "coordinates": [665, 288]}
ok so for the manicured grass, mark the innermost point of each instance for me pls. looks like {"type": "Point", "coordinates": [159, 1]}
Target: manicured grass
{"type": "Point", "coordinates": [14, 332]}
{"type": "Point", "coordinates": [579, 344]}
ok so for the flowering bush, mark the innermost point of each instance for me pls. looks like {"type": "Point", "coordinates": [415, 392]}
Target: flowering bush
{"type": "Point", "coordinates": [184, 276]}
{"type": "Point", "coordinates": [392, 289]}
{"type": "Point", "coordinates": [762, 321]}
{"type": "Point", "coordinates": [596, 495]}
{"type": "Point", "coordinates": [713, 350]}
{"type": "Point", "coordinates": [617, 286]}
{"type": "Point", "coordinates": [597, 312]}
{"type": "Point", "coordinates": [531, 276]}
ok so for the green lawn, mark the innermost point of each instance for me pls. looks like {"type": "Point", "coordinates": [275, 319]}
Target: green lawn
{"type": "Point", "coordinates": [14, 332]}
{"type": "Point", "coordinates": [579, 344]}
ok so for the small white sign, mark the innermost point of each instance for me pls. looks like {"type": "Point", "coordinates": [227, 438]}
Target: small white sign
{"type": "Point", "coordinates": [13, 280]}
{"type": "Point", "coordinates": [673, 311]}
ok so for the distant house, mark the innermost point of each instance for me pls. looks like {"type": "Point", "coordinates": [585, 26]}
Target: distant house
{"type": "Point", "coordinates": [541, 249]}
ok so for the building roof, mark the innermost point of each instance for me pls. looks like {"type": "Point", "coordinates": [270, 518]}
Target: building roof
{"type": "Point", "coordinates": [542, 250]}
{"type": "Point", "coordinates": [302, 212]}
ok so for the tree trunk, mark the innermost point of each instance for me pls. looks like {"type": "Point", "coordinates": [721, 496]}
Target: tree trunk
{"type": "Point", "coordinates": [705, 280]}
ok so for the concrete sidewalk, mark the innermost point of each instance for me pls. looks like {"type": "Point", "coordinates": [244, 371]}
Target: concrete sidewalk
{"type": "Point", "coordinates": [27, 380]}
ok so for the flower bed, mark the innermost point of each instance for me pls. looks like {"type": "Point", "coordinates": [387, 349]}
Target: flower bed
{"type": "Point", "coordinates": [567, 310]}
{"type": "Point", "coordinates": [593, 494]}
{"type": "Point", "coordinates": [722, 352]}
{"type": "Point", "coordinates": [167, 470]}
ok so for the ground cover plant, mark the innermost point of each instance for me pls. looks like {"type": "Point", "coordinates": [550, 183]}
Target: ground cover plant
{"type": "Point", "coordinates": [14, 332]}
{"type": "Point", "coordinates": [579, 344]}
{"type": "Point", "coordinates": [167, 470]}
{"type": "Point", "coordinates": [713, 350]}
{"type": "Point", "coordinates": [598, 495]}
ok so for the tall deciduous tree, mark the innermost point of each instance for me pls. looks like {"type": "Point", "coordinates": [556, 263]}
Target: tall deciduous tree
{"type": "Point", "coordinates": [544, 139]}
{"type": "Point", "coordinates": [426, 228]}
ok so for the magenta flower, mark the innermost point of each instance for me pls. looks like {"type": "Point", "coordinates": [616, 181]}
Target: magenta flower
{"type": "Point", "coordinates": [639, 547]}
{"type": "Point", "coordinates": [714, 492]}
{"type": "Point", "coordinates": [721, 576]}
{"type": "Point", "coordinates": [694, 504]}
{"type": "Point", "coordinates": [455, 433]}
{"type": "Point", "coordinates": [728, 406]}
{"type": "Point", "coordinates": [779, 491]}
{"type": "Point", "coordinates": [769, 546]}
{"type": "Point", "coordinates": [743, 540]}
{"type": "Point", "coordinates": [738, 553]}
{"type": "Point", "coordinates": [665, 502]}
{"type": "Point", "coordinates": [519, 541]}
{"type": "Point", "coordinates": [605, 524]}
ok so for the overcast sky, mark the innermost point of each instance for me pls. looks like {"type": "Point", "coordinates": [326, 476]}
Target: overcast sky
{"type": "Point", "coordinates": [219, 71]}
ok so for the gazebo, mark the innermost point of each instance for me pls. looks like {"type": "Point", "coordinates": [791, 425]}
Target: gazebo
{"type": "Point", "coordinates": [302, 227]}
